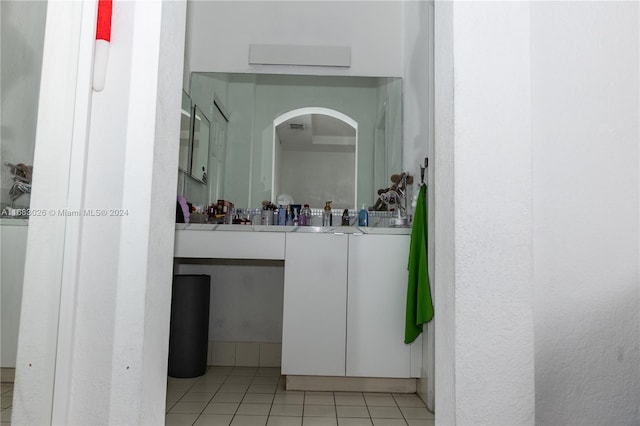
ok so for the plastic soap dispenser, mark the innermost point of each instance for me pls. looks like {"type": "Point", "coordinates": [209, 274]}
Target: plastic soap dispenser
{"type": "Point", "coordinates": [326, 214]}
{"type": "Point", "coordinates": [363, 217]}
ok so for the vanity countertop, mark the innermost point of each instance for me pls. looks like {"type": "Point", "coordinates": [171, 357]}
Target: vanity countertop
{"type": "Point", "coordinates": [300, 229]}
{"type": "Point", "coordinates": [253, 241]}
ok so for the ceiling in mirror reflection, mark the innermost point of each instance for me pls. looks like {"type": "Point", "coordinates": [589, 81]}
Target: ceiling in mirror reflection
{"type": "Point", "coordinates": [316, 133]}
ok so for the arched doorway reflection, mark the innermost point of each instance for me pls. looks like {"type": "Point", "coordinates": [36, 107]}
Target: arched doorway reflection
{"type": "Point", "coordinates": [315, 153]}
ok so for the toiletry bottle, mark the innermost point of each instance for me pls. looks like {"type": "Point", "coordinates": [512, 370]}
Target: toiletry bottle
{"type": "Point", "coordinates": [363, 217]}
{"type": "Point", "coordinates": [282, 216]}
{"type": "Point", "coordinates": [289, 220]}
{"type": "Point", "coordinates": [305, 216]}
{"type": "Point", "coordinates": [326, 214]}
{"type": "Point", "coordinates": [345, 217]}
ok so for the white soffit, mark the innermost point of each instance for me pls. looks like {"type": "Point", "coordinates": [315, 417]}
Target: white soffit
{"type": "Point", "coordinates": [284, 54]}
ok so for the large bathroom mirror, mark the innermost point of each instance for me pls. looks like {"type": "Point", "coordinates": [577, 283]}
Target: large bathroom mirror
{"type": "Point", "coordinates": [184, 161]}
{"type": "Point", "coordinates": [200, 145]}
{"type": "Point", "coordinates": [254, 102]}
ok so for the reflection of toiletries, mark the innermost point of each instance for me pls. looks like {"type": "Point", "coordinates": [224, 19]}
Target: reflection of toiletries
{"type": "Point", "coordinates": [345, 217]}
{"type": "Point", "coordinates": [363, 217]}
{"type": "Point", "coordinates": [289, 220]}
{"type": "Point", "coordinates": [267, 217]}
{"type": "Point", "coordinates": [326, 214]}
{"type": "Point", "coordinates": [305, 216]}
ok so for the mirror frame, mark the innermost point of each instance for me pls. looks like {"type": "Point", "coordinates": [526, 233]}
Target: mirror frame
{"type": "Point", "coordinates": [186, 110]}
{"type": "Point", "coordinates": [196, 114]}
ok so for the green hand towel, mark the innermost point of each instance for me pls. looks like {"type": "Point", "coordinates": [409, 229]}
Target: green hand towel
{"type": "Point", "coordinates": [419, 305]}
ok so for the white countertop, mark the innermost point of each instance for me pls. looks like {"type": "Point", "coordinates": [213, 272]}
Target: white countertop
{"type": "Point", "coordinates": [303, 229]}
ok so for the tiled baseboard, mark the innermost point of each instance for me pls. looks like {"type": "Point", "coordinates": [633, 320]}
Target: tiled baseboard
{"type": "Point", "coordinates": [350, 384]}
{"type": "Point", "coordinates": [244, 354]}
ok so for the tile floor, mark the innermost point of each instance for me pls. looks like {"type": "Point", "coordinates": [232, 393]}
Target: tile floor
{"type": "Point", "coordinates": [6, 396]}
{"type": "Point", "coordinates": [247, 396]}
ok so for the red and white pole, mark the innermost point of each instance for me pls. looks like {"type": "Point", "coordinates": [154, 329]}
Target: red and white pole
{"type": "Point", "coordinates": [103, 38]}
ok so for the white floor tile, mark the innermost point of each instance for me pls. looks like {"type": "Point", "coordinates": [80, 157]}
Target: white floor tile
{"type": "Point", "coordinates": [262, 388]}
{"type": "Point", "coordinates": [197, 396]}
{"type": "Point", "coordinates": [179, 419]}
{"type": "Point", "coordinates": [319, 411]}
{"type": "Point", "coordinates": [233, 387]}
{"type": "Point", "coordinates": [290, 397]}
{"type": "Point", "coordinates": [246, 396]}
{"type": "Point", "coordinates": [353, 421]}
{"type": "Point", "coordinates": [352, 411]}
{"type": "Point", "coordinates": [206, 387]}
{"type": "Point", "coordinates": [214, 420]}
{"type": "Point", "coordinates": [188, 408]}
{"type": "Point", "coordinates": [416, 413]}
{"type": "Point", "coordinates": [385, 412]}
{"type": "Point", "coordinates": [380, 401]}
{"type": "Point", "coordinates": [254, 409]}
{"type": "Point", "coordinates": [221, 408]}
{"type": "Point", "coordinates": [342, 399]}
{"type": "Point", "coordinates": [228, 397]}
{"type": "Point", "coordinates": [5, 415]}
{"type": "Point", "coordinates": [242, 380]}
{"type": "Point", "coordinates": [408, 400]}
{"type": "Point", "coordinates": [389, 422]}
{"type": "Point", "coordinates": [421, 422]}
{"type": "Point", "coordinates": [5, 402]}
{"type": "Point", "coordinates": [284, 421]}
{"type": "Point", "coordinates": [286, 410]}
{"type": "Point", "coordinates": [319, 421]}
{"type": "Point", "coordinates": [209, 378]}
{"type": "Point", "coordinates": [257, 398]}
{"type": "Point", "coordinates": [319, 399]}
{"type": "Point", "coordinates": [249, 421]}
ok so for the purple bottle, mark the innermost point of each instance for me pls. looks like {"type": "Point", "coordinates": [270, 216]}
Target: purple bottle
{"type": "Point", "coordinates": [305, 216]}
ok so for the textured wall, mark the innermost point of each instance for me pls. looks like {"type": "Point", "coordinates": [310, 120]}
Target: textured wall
{"type": "Point", "coordinates": [585, 163]}
{"type": "Point", "coordinates": [484, 329]}
{"type": "Point", "coordinates": [373, 30]}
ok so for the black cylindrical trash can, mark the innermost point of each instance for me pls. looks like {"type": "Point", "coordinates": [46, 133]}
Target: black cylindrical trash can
{"type": "Point", "coordinates": [189, 330]}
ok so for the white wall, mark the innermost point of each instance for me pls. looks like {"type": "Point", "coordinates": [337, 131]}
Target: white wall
{"type": "Point", "coordinates": [417, 143]}
{"type": "Point", "coordinates": [301, 171]}
{"type": "Point", "coordinates": [540, 145]}
{"type": "Point", "coordinates": [96, 300]}
{"type": "Point", "coordinates": [246, 299]}
{"type": "Point", "coordinates": [484, 287]}
{"type": "Point", "coordinates": [373, 30]}
{"type": "Point", "coordinates": [21, 38]}
{"type": "Point", "coordinates": [585, 166]}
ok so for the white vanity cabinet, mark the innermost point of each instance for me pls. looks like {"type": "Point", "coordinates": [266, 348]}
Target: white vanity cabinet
{"type": "Point", "coordinates": [377, 292]}
{"type": "Point", "coordinates": [344, 305]}
{"type": "Point", "coordinates": [315, 304]}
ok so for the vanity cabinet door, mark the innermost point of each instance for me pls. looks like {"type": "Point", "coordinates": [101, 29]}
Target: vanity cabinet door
{"type": "Point", "coordinates": [315, 302]}
{"type": "Point", "coordinates": [376, 306]}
